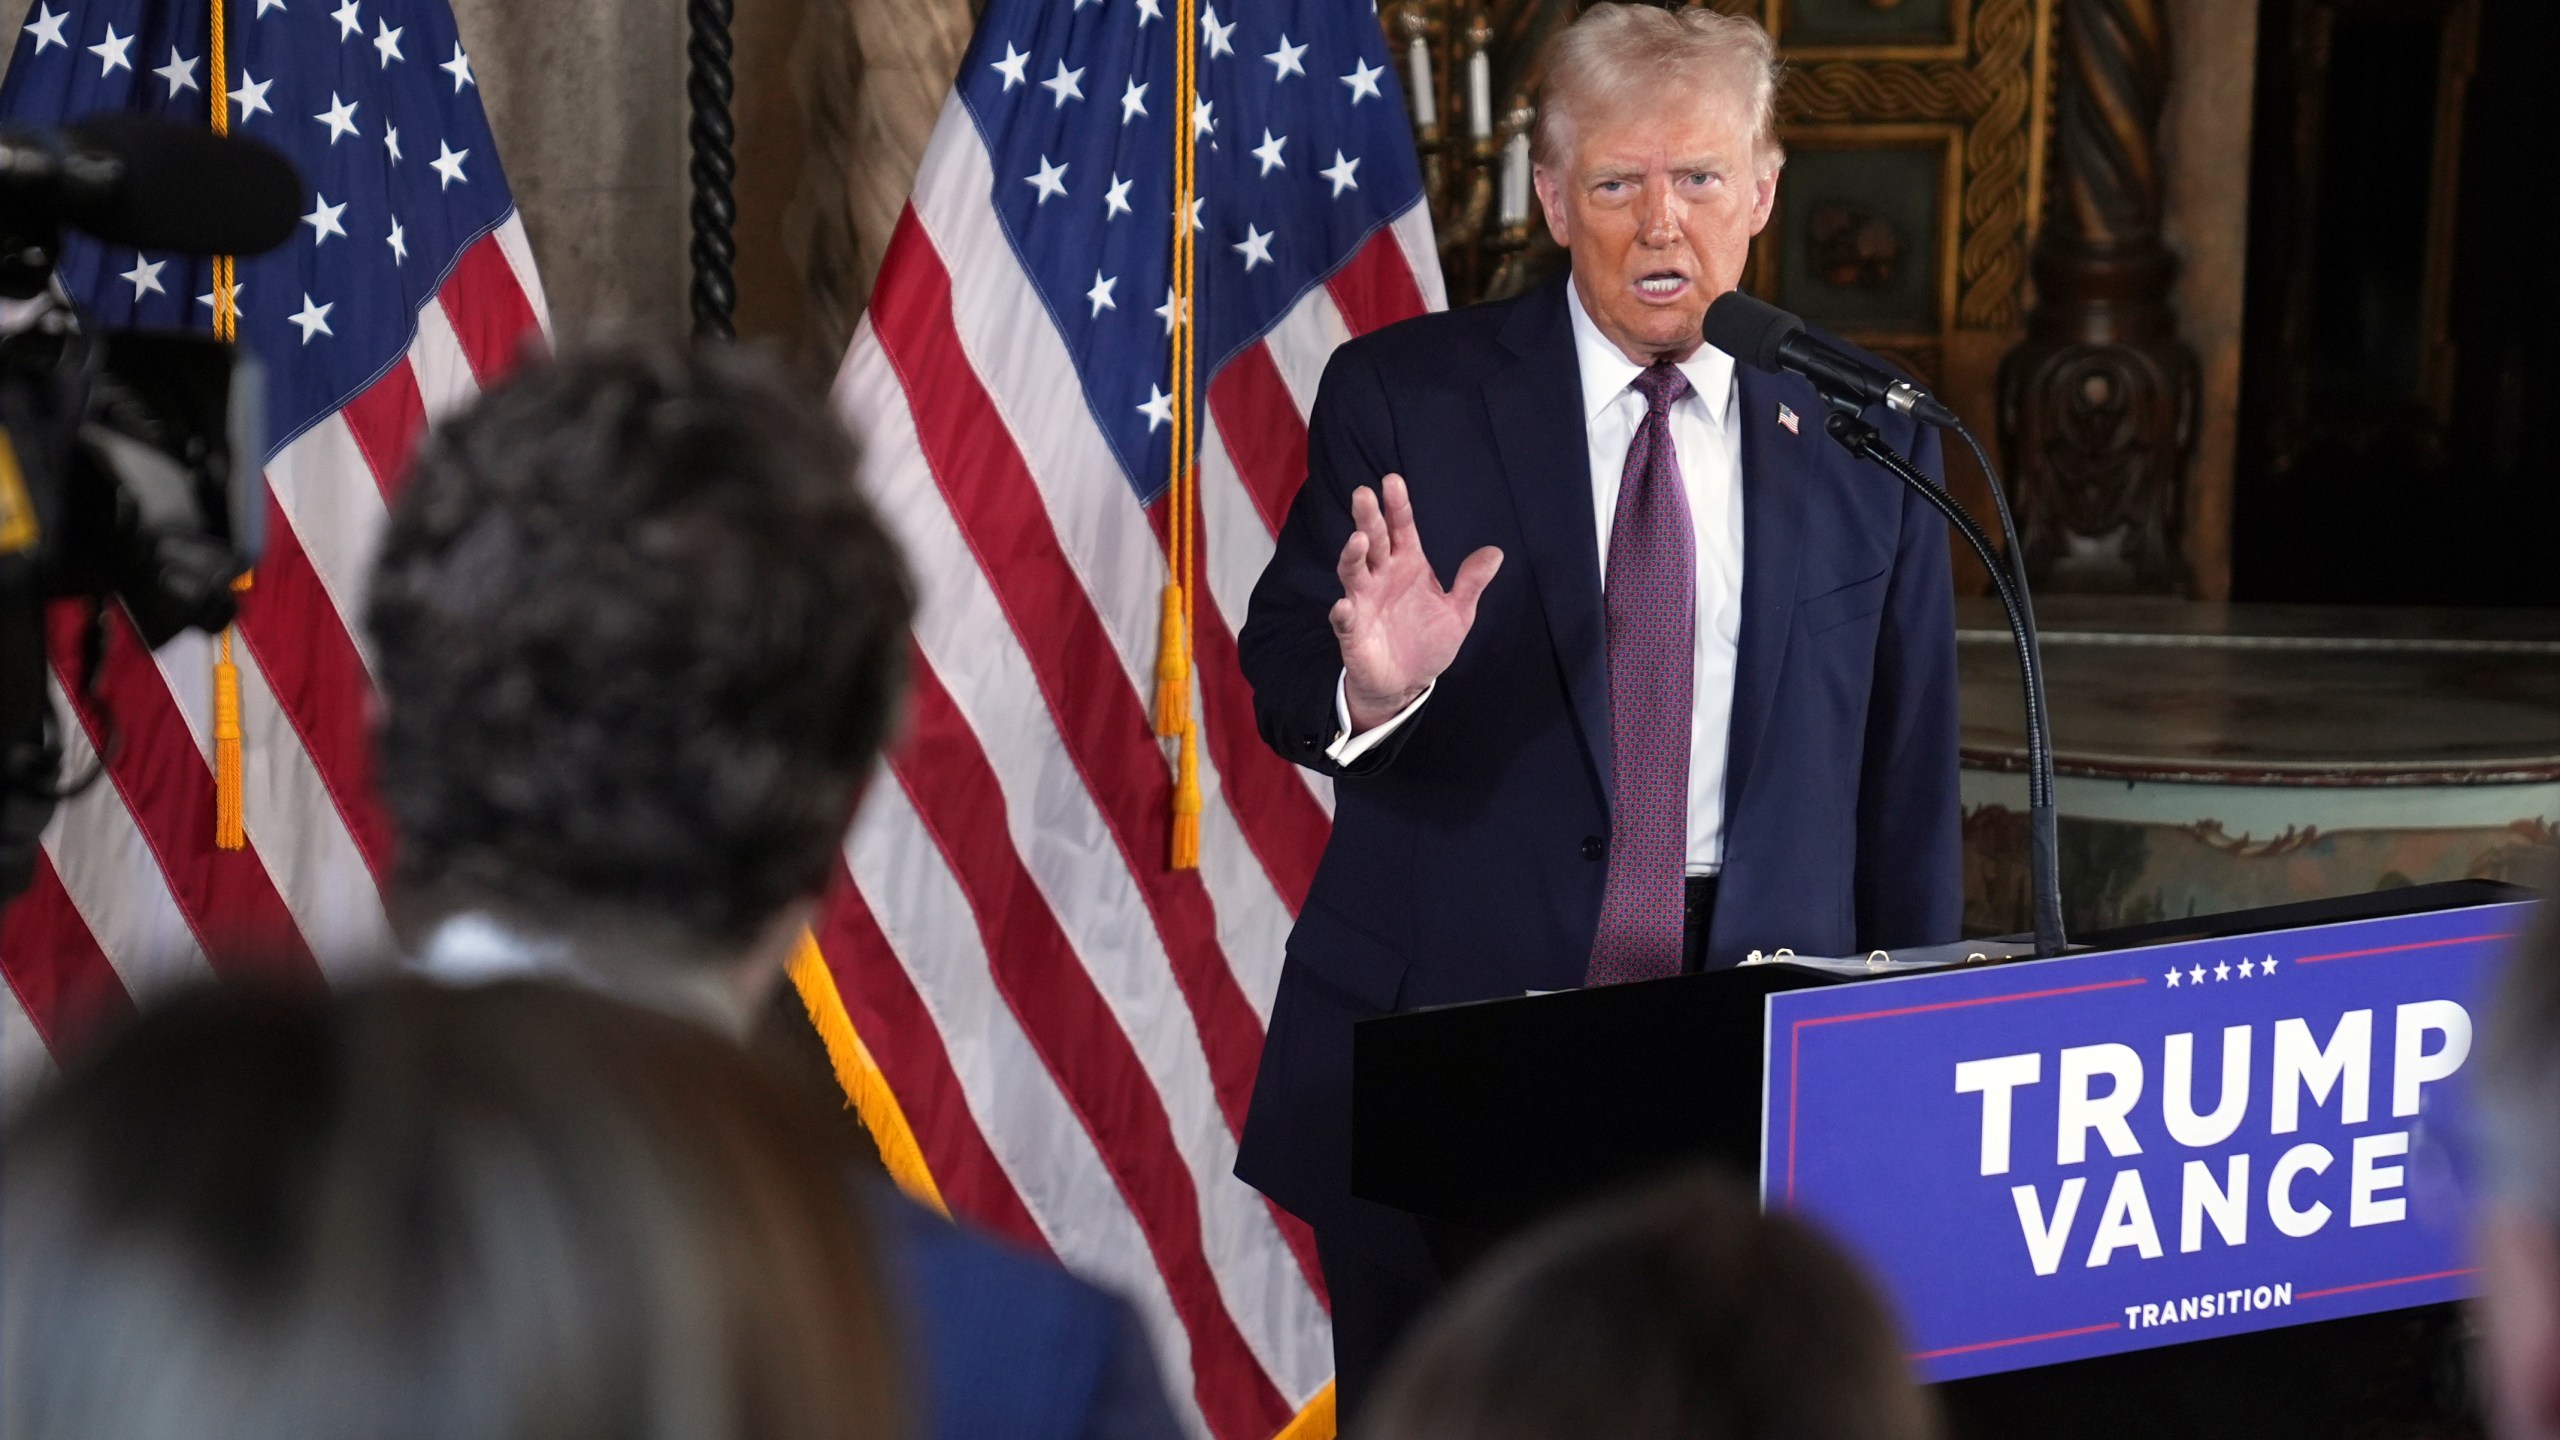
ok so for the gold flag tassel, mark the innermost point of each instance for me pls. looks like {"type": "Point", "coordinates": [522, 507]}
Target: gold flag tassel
{"type": "Point", "coordinates": [1186, 804]}
{"type": "Point", "coordinates": [1173, 665]}
{"type": "Point", "coordinates": [230, 827]}
{"type": "Point", "coordinates": [230, 824]}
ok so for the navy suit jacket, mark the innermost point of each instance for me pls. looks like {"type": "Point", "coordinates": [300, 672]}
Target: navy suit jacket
{"type": "Point", "coordinates": [1469, 848]}
{"type": "Point", "coordinates": [1011, 1346]}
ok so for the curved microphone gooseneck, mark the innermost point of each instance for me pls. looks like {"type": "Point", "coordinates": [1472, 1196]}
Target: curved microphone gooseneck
{"type": "Point", "coordinates": [1767, 338]}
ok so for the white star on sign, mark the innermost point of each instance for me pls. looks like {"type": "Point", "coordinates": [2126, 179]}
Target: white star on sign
{"type": "Point", "coordinates": [1214, 35]}
{"type": "Point", "coordinates": [1064, 85]}
{"type": "Point", "coordinates": [238, 289]}
{"type": "Point", "coordinates": [1202, 121]}
{"type": "Point", "coordinates": [113, 53]}
{"type": "Point", "coordinates": [398, 240]}
{"type": "Point", "coordinates": [386, 42]}
{"type": "Point", "coordinates": [1255, 247]}
{"type": "Point", "coordinates": [1010, 67]}
{"type": "Point", "coordinates": [1158, 409]}
{"type": "Point", "coordinates": [1100, 294]}
{"type": "Point", "coordinates": [144, 277]}
{"type": "Point", "coordinates": [1133, 102]}
{"type": "Point", "coordinates": [340, 117]}
{"type": "Point", "coordinates": [2247, 968]}
{"type": "Point", "coordinates": [2222, 971]}
{"type": "Point", "coordinates": [323, 219]}
{"type": "Point", "coordinates": [47, 28]}
{"type": "Point", "coordinates": [459, 67]}
{"type": "Point", "coordinates": [448, 163]}
{"type": "Point", "coordinates": [391, 142]}
{"type": "Point", "coordinates": [1340, 174]}
{"type": "Point", "coordinates": [180, 72]}
{"type": "Point", "coordinates": [1285, 61]}
{"type": "Point", "coordinates": [349, 26]}
{"type": "Point", "coordinates": [1147, 11]}
{"type": "Point", "coordinates": [314, 319]}
{"type": "Point", "coordinates": [251, 96]}
{"type": "Point", "coordinates": [2268, 966]}
{"type": "Point", "coordinates": [2173, 979]}
{"type": "Point", "coordinates": [1363, 81]}
{"type": "Point", "coordinates": [1167, 310]}
{"type": "Point", "coordinates": [1052, 180]}
{"type": "Point", "coordinates": [1116, 200]}
{"type": "Point", "coordinates": [2196, 976]}
{"type": "Point", "coordinates": [1268, 152]}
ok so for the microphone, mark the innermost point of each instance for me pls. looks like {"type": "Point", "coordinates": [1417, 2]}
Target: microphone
{"type": "Point", "coordinates": [1765, 337]}
{"type": "Point", "coordinates": [152, 184]}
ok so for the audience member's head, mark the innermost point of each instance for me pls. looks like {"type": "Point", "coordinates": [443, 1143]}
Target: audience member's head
{"type": "Point", "coordinates": [640, 640]}
{"type": "Point", "coordinates": [431, 1214]}
{"type": "Point", "coordinates": [1675, 1313]}
{"type": "Point", "coordinates": [2518, 1237]}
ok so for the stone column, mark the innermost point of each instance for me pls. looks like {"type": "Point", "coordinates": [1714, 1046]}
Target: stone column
{"type": "Point", "coordinates": [2098, 403]}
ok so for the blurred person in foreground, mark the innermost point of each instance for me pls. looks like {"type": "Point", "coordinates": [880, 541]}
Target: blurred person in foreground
{"type": "Point", "coordinates": [1678, 1312]}
{"type": "Point", "coordinates": [2517, 1234]}
{"type": "Point", "coordinates": [640, 642]}
{"type": "Point", "coordinates": [431, 1214]}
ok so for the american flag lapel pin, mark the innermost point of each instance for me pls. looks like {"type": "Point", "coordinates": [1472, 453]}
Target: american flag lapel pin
{"type": "Point", "coordinates": [1787, 418]}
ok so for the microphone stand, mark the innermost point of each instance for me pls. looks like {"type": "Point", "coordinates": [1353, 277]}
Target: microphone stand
{"type": "Point", "coordinates": [2043, 834]}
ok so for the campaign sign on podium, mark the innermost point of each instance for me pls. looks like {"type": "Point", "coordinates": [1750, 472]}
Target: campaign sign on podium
{"type": "Point", "coordinates": [2057, 1159]}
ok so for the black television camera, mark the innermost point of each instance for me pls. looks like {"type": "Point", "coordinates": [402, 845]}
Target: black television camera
{"type": "Point", "coordinates": [130, 461]}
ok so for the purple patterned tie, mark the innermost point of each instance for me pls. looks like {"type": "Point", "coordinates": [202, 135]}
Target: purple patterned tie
{"type": "Point", "coordinates": [1653, 615]}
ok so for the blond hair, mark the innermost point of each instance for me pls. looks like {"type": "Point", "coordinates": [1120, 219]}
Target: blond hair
{"type": "Point", "coordinates": [1615, 52]}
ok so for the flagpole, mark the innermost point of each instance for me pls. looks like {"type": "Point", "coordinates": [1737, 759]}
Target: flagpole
{"type": "Point", "coordinates": [715, 166]}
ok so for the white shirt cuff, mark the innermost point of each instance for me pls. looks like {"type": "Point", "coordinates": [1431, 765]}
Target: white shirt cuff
{"type": "Point", "coordinates": [1347, 747]}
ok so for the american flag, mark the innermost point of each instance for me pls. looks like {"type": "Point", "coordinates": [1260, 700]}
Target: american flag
{"type": "Point", "coordinates": [407, 287]}
{"type": "Point", "coordinates": [1070, 1025]}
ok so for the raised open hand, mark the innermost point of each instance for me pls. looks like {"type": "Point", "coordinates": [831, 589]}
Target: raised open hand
{"type": "Point", "coordinates": [1398, 629]}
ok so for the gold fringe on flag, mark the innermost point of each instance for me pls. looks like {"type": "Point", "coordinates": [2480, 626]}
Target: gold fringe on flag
{"type": "Point", "coordinates": [1314, 1420]}
{"type": "Point", "coordinates": [865, 1088]}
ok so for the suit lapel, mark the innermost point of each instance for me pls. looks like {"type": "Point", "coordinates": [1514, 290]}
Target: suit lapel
{"type": "Point", "coordinates": [1535, 404]}
{"type": "Point", "coordinates": [1775, 463]}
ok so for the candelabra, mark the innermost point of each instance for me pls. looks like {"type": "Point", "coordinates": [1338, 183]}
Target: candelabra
{"type": "Point", "coordinates": [1470, 67]}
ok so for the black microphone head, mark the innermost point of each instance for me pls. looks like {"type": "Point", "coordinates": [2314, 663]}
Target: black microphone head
{"type": "Point", "coordinates": [184, 188]}
{"type": "Point", "coordinates": [1749, 330]}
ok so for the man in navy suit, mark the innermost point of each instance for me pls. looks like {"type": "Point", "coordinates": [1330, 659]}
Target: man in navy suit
{"type": "Point", "coordinates": [1690, 688]}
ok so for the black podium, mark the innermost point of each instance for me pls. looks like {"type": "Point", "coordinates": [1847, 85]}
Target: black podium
{"type": "Point", "coordinates": [1483, 1118]}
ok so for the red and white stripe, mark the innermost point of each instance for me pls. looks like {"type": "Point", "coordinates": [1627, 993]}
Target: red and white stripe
{"type": "Point", "coordinates": [1070, 1026]}
{"type": "Point", "coordinates": [131, 895]}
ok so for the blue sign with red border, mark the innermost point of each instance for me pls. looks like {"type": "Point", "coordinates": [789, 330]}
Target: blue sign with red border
{"type": "Point", "coordinates": [2057, 1159]}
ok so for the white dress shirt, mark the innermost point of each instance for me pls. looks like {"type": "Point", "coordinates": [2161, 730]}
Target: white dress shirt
{"type": "Point", "coordinates": [1706, 435]}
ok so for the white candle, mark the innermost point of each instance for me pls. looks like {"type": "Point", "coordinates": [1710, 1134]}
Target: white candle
{"type": "Point", "coordinates": [1479, 95]}
{"type": "Point", "coordinates": [1417, 58]}
{"type": "Point", "coordinates": [1515, 180]}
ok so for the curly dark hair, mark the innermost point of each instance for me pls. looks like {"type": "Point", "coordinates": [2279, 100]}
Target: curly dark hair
{"type": "Point", "coordinates": [640, 639]}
